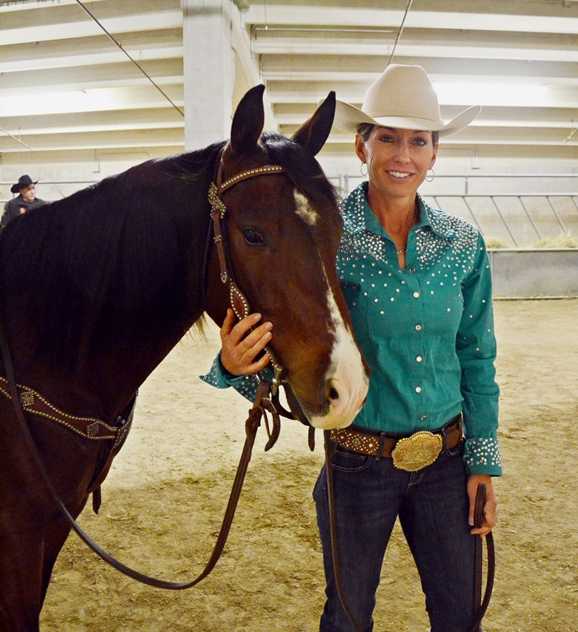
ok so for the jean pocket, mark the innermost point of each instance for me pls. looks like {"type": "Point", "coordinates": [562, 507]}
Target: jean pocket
{"type": "Point", "coordinates": [345, 461]}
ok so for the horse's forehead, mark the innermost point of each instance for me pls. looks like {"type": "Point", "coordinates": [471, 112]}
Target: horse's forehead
{"type": "Point", "coordinates": [304, 208]}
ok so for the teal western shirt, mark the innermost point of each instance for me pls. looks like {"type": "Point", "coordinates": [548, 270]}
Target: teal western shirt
{"type": "Point", "coordinates": [427, 330]}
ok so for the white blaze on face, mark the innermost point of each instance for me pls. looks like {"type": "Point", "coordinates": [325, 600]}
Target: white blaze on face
{"type": "Point", "coordinates": [304, 209]}
{"type": "Point", "coordinates": [346, 374]}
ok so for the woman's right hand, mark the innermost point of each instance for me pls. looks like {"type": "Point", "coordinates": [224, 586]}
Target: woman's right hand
{"type": "Point", "coordinates": [238, 351]}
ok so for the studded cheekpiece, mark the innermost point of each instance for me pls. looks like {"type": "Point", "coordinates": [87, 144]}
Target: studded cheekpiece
{"type": "Point", "coordinates": [239, 302]}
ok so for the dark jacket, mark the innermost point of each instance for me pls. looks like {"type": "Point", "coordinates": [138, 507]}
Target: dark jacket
{"type": "Point", "coordinates": [14, 207]}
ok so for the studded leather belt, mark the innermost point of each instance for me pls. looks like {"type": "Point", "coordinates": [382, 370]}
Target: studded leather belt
{"type": "Point", "coordinates": [409, 453]}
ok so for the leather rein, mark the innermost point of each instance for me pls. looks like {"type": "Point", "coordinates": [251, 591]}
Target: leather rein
{"type": "Point", "coordinates": [266, 401]}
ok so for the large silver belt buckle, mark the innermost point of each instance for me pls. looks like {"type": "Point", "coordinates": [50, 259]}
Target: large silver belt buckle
{"type": "Point", "coordinates": [418, 451]}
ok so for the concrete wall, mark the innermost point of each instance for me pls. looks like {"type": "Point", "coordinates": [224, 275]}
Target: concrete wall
{"type": "Point", "coordinates": [535, 273]}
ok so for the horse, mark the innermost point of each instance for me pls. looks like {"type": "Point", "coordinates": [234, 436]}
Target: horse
{"type": "Point", "coordinates": [97, 288]}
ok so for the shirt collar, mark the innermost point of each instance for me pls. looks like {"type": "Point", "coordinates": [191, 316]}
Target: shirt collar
{"type": "Point", "coordinates": [359, 216]}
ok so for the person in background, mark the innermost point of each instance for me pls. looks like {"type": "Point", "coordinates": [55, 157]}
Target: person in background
{"type": "Point", "coordinates": [25, 200]}
{"type": "Point", "coordinates": [418, 285]}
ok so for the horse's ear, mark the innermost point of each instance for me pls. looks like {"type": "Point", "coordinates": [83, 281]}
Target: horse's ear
{"type": "Point", "coordinates": [248, 121]}
{"type": "Point", "coordinates": [314, 132]}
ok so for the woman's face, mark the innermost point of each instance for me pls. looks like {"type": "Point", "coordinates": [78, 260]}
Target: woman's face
{"type": "Point", "coordinates": [397, 159]}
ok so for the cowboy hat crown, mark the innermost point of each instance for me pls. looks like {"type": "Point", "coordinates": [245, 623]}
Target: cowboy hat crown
{"type": "Point", "coordinates": [403, 97]}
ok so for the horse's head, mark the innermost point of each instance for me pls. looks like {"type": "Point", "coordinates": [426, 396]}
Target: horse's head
{"type": "Point", "coordinates": [282, 234]}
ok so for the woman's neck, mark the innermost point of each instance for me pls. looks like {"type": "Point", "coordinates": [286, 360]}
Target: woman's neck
{"type": "Point", "coordinates": [397, 216]}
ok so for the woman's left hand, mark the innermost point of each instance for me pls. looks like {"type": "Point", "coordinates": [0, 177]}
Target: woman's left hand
{"type": "Point", "coordinates": [490, 508]}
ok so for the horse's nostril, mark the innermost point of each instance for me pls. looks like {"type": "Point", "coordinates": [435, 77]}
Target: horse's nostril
{"type": "Point", "coordinates": [333, 394]}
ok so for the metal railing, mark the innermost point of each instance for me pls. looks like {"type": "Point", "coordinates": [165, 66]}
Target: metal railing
{"type": "Point", "coordinates": [516, 218]}
{"type": "Point", "coordinates": [466, 182]}
{"type": "Point", "coordinates": [551, 224]}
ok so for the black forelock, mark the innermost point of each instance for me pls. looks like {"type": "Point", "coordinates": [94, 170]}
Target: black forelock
{"type": "Point", "coordinates": [301, 168]}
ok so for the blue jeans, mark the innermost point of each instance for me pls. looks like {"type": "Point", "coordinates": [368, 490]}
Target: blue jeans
{"type": "Point", "coordinates": [432, 505]}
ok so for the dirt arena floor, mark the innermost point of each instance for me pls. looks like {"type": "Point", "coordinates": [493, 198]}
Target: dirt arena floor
{"type": "Point", "coordinates": [164, 499]}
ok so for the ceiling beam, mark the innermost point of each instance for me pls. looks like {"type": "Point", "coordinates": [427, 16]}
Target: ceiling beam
{"type": "Point", "coordinates": [142, 45]}
{"type": "Point", "coordinates": [55, 22]}
{"type": "Point", "coordinates": [307, 14]}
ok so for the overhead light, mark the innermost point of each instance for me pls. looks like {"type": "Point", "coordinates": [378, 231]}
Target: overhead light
{"type": "Point", "coordinates": [56, 102]}
{"type": "Point", "coordinates": [490, 94]}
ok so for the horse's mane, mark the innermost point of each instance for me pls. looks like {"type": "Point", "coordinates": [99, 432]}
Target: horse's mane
{"type": "Point", "coordinates": [116, 246]}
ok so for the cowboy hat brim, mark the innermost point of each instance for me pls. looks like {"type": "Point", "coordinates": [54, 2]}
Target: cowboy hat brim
{"type": "Point", "coordinates": [348, 117]}
{"type": "Point", "coordinates": [25, 181]}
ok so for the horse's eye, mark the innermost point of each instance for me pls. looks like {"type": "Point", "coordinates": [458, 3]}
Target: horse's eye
{"type": "Point", "coordinates": [253, 237]}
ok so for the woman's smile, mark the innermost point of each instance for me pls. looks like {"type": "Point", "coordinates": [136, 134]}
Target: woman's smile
{"type": "Point", "coordinates": [399, 174]}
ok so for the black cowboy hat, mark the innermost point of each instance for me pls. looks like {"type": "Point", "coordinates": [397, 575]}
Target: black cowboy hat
{"type": "Point", "coordinates": [23, 182]}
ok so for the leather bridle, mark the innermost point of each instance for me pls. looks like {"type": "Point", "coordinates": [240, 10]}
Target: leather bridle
{"type": "Point", "coordinates": [239, 302]}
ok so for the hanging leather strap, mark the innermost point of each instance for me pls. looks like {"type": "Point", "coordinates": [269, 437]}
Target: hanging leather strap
{"type": "Point", "coordinates": [329, 449]}
{"type": "Point", "coordinates": [263, 402]}
{"type": "Point", "coordinates": [481, 605]}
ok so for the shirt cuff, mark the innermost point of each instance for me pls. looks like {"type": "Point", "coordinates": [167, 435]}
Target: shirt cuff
{"type": "Point", "coordinates": [482, 456]}
{"type": "Point", "coordinates": [219, 377]}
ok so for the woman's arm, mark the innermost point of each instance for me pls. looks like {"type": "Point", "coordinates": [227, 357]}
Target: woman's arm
{"type": "Point", "coordinates": [476, 349]}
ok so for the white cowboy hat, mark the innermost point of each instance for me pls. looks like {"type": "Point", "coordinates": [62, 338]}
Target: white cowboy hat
{"type": "Point", "coordinates": [403, 97]}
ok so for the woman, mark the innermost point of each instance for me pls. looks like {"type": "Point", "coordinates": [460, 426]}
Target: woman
{"type": "Point", "coordinates": [417, 282]}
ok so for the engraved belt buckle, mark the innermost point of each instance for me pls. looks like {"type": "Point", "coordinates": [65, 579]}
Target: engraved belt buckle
{"type": "Point", "coordinates": [418, 451]}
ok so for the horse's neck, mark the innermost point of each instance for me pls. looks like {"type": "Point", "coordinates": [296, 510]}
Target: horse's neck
{"type": "Point", "coordinates": [111, 356]}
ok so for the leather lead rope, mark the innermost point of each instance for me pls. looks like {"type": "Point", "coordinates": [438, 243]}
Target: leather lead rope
{"type": "Point", "coordinates": [260, 405]}
{"type": "Point", "coordinates": [329, 448]}
{"type": "Point", "coordinates": [480, 608]}
{"type": "Point", "coordinates": [480, 605]}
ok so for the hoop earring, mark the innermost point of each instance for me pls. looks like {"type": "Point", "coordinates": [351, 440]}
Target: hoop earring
{"type": "Point", "coordinates": [361, 169]}
{"type": "Point", "coordinates": [432, 176]}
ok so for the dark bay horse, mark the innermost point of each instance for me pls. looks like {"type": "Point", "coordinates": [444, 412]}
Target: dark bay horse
{"type": "Point", "coordinates": [97, 288]}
